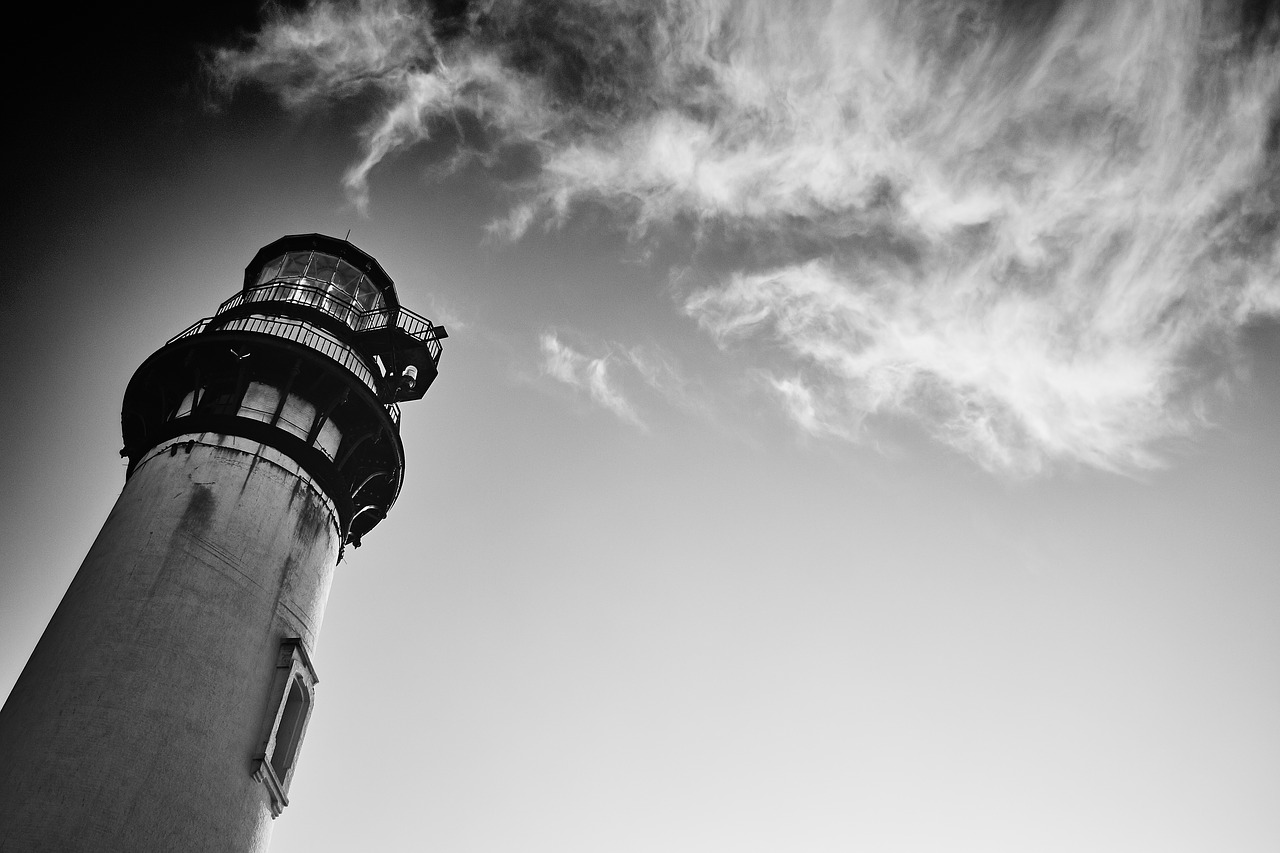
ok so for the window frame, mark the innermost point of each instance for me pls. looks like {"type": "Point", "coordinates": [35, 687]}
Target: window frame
{"type": "Point", "coordinates": [293, 667]}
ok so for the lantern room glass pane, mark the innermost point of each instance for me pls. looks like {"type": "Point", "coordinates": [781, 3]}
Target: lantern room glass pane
{"type": "Point", "coordinates": [368, 297]}
{"type": "Point", "coordinates": [347, 278]}
{"type": "Point", "coordinates": [322, 267]}
{"type": "Point", "coordinates": [295, 264]}
{"type": "Point", "coordinates": [323, 281]}
{"type": "Point", "coordinates": [270, 270]}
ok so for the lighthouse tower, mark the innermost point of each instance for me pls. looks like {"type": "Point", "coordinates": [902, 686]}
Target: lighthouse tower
{"type": "Point", "coordinates": [165, 707]}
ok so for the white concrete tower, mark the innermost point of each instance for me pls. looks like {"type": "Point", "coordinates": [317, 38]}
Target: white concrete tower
{"type": "Point", "coordinates": [164, 706]}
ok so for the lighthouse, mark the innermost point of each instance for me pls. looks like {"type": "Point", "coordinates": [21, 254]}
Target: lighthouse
{"type": "Point", "coordinates": [166, 704]}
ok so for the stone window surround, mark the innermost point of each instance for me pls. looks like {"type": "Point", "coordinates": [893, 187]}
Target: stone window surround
{"type": "Point", "coordinates": [293, 665]}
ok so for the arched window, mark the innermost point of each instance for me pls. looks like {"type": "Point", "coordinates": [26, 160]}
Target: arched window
{"type": "Point", "coordinates": [289, 731]}
{"type": "Point", "coordinates": [292, 697]}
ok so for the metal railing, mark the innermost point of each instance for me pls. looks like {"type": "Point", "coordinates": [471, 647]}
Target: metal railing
{"type": "Point", "coordinates": [338, 304]}
{"type": "Point", "coordinates": [309, 336]}
{"type": "Point", "coordinates": [194, 329]}
{"type": "Point", "coordinates": [293, 330]}
{"type": "Point", "coordinates": [301, 333]}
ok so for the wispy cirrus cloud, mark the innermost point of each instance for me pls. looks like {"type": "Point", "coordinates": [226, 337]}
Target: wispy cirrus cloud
{"type": "Point", "coordinates": [593, 376]}
{"type": "Point", "coordinates": [605, 378]}
{"type": "Point", "coordinates": [998, 382]}
{"type": "Point", "coordinates": [1033, 227]}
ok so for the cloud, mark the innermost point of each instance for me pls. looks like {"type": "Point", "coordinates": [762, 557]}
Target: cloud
{"type": "Point", "coordinates": [603, 377]}
{"type": "Point", "coordinates": [664, 377]}
{"type": "Point", "coordinates": [1010, 383]}
{"type": "Point", "coordinates": [1035, 228]}
{"type": "Point", "coordinates": [591, 375]}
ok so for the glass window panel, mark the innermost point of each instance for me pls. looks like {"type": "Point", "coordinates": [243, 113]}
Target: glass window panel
{"type": "Point", "coordinates": [297, 416]}
{"type": "Point", "coordinates": [294, 264]}
{"type": "Point", "coordinates": [368, 297]}
{"type": "Point", "coordinates": [184, 408]}
{"type": "Point", "coordinates": [322, 267]}
{"type": "Point", "coordinates": [260, 402]}
{"type": "Point", "coordinates": [271, 270]}
{"type": "Point", "coordinates": [329, 439]}
{"type": "Point", "coordinates": [347, 278]}
{"type": "Point", "coordinates": [289, 731]}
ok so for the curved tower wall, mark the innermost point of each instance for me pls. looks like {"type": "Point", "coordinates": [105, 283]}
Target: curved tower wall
{"type": "Point", "coordinates": [165, 705]}
{"type": "Point", "coordinates": [159, 660]}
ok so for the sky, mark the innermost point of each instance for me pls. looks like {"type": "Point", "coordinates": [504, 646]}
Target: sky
{"type": "Point", "coordinates": [857, 430]}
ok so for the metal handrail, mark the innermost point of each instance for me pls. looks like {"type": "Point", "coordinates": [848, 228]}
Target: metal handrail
{"type": "Point", "coordinates": [311, 337]}
{"type": "Point", "coordinates": [194, 329]}
{"type": "Point", "coordinates": [336, 304]}
{"type": "Point", "coordinates": [299, 332]}
{"type": "Point", "coordinates": [355, 365]}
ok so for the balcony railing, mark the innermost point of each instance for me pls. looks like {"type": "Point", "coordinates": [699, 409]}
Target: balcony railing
{"type": "Point", "coordinates": [302, 333]}
{"type": "Point", "coordinates": [309, 336]}
{"type": "Point", "coordinates": [337, 303]}
{"type": "Point", "coordinates": [194, 329]}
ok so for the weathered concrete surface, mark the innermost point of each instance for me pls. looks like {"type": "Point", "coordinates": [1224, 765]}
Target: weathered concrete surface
{"type": "Point", "coordinates": [135, 723]}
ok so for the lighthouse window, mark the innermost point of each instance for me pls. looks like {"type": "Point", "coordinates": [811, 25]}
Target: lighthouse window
{"type": "Point", "coordinates": [295, 263]}
{"type": "Point", "coordinates": [289, 731]}
{"type": "Point", "coordinates": [324, 281]}
{"type": "Point", "coordinates": [271, 270]}
{"type": "Point", "coordinates": [329, 439]}
{"type": "Point", "coordinates": [184, 408]}
{"type": "Point", "coordinates": [260, 402]}
{"type": "Point", "coordinates": [368, 296]}
{"type": "Point", "coordinates": [297, 416]}
{"type": "Point", "coordinates": [292, 699]}
{"type": "Point", "coordinates": [322, 268]}
{"type": "Point", "coordinates": [346, 278]}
